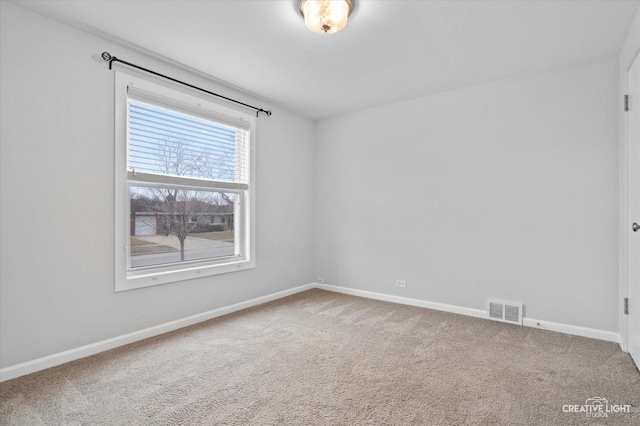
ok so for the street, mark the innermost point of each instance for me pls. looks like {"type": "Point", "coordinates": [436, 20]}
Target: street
{"type": "Point", "coordinates": [195, 249]}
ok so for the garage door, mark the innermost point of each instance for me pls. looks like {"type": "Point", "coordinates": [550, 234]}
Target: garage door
{"type": "Point", "coordinates": [145, 225]}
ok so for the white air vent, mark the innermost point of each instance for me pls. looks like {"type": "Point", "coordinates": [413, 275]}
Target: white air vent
{"type": "Point", "coordinates": [510, 312]}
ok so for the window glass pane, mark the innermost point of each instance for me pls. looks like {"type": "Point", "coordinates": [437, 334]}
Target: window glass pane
{"type": "Point", "coordinates": [171, 143]}
{"type": "Point", "coordinates": [170, 225]}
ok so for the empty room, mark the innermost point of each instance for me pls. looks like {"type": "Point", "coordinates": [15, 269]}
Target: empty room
{"type": "Point", "coordinates": [311, 212]}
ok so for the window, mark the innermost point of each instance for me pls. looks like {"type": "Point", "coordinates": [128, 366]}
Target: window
{"type": "Point", "coordinates": [182, 161]}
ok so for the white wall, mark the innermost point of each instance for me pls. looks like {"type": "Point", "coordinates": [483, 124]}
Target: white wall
{"type": "Point", "coordinates": [628, 53]}
{"type": "Point", "coordinates": [506, 190]}
{"type": "Point", "coordinates": [57, 181]}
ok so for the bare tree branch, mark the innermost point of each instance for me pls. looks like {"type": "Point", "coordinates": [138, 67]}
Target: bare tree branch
{"type": "Point", "coordinates": [184, 212]}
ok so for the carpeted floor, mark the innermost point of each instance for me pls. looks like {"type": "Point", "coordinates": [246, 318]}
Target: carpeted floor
{"type": "Point", "coordinates": [321, 358]}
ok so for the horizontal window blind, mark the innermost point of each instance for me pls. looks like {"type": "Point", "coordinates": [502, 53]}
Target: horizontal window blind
{"type": "Point", "coordinates": [194, 108]}
{"type": "Point", "coordinates": [169, 140]}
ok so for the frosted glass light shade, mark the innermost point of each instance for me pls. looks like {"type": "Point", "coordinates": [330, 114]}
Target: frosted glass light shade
{"type": "Point", "coordinates": [326, 16]}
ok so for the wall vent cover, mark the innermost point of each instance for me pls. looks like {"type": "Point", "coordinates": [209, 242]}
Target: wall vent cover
{"type": "Point", "coordinates": [500, 310]}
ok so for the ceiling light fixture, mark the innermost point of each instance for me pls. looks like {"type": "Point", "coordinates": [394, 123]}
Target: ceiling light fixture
{"type": "Point", "coordinates": [326, 16]}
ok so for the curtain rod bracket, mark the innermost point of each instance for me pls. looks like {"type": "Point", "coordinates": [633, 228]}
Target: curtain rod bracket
{"type": "Point", "coordinates": [106, 56]}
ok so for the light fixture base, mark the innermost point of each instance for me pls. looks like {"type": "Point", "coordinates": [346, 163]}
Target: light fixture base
{"type": "Point", "coordinates": [351, 3]}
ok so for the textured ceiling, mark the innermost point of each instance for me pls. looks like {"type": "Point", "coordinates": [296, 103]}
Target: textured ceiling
{"type": "Point", "coordinates": [390, 51]}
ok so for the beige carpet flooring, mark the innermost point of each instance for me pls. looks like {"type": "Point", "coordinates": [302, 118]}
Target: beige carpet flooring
{"type": "Point", "coordinates": [322, 358]}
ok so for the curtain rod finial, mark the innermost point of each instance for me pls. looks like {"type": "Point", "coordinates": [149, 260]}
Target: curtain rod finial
{"type": "Point", "coordinates": [106, 56]}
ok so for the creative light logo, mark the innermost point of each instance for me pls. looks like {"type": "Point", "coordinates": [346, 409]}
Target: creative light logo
{"type": "Point", "coordinates": [597, 407]}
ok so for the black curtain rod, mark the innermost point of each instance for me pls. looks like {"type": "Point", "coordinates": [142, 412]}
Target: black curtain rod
{"type": "Point", "coordinates": [111, 59]}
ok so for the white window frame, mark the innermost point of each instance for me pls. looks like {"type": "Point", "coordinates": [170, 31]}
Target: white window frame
{"type": "Point", "coordinates": [244, 222]}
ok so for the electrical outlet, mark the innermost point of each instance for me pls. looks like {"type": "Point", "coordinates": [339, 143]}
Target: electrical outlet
{"type": "Point", "coordinates": [401, 283]}
{"type": "Point", "coordinates": [320, 280]}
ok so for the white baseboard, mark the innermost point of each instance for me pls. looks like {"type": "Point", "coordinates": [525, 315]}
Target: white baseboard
{"type": "Point", "coordinates": [29, 367]}
{"type": "Point", "coordinates": [593, 333]}
{"type": "Point", "coordinates": [609, 336]}
{"type": "Point", "coordinates": [622, 343]}
{"type": "Point", "coordinates": [478, 313]}
{"type": "Point", "coordinates": [35, 365]}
